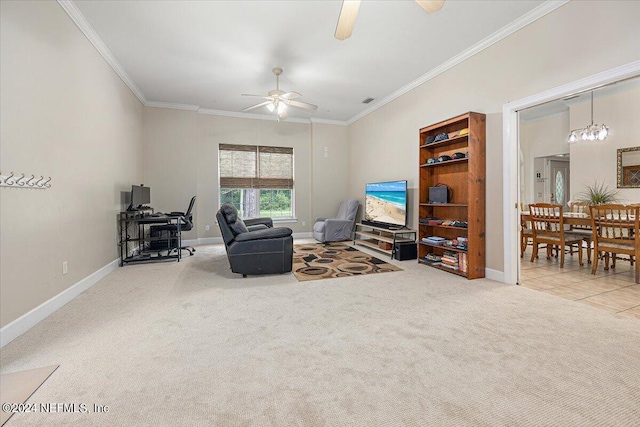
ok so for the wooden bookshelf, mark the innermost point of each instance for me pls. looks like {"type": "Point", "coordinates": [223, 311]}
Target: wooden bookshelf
{"type": "Point", "coordinates": [466, 179]}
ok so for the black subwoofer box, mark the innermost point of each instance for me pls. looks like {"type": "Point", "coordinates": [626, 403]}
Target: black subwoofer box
{"type": "Point", "coordinates": [161, 238]}
{"type": "Point", "coordinates": [406, 250]}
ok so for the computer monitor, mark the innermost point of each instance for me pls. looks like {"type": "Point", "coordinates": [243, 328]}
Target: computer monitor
{"type": "Point", "coordinates": [140, 195]}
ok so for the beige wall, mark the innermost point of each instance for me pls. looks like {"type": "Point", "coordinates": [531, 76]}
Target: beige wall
{"type": "Point", "coordinates": [550, 52]}
{"type": "Point", "coordinates": [171, 160]}
{"type": "Point", "coordinates": [64, 113]}
{"type": "Point", "coordinates": [181, 160]}
{"type": "Point", "coordinates": [330, 169]}
{"type": "Point", "coordinates": [596, 161]}
{"type": "Point", "coordinates": [541, 138]}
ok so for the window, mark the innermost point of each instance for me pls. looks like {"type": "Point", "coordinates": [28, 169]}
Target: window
{"type": "Point", "coordinates": [560, 188]}
{"type": "Point", "coordinates": [257, 180]}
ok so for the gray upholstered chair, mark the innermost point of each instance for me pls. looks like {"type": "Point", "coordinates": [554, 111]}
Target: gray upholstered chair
{"type": "Point", "coordinates": [254, 246]}
{"type": "Point", "coordinates": [338, 228]}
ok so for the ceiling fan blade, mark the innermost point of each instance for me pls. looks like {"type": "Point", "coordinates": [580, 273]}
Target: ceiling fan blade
{"type": "Point", "coordinates": [430, 6]}
{"type": "Point", "coordinates": [256, 96]}
{"type": "Point", "coordinates": [299, 104]}
{"type": "Point", "coordinates": [291, 95]}
{"type": "Point", "coordinates": [262, 104]}
{"type": "Point", "coordinates": [347, 19]}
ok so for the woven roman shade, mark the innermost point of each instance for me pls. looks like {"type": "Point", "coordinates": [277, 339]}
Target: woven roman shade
{"type": "Point", "coordinates": [251, 166]}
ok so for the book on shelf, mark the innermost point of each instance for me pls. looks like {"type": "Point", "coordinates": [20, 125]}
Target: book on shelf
{"type": "Point", "coordinates": [462, 262]}
{"type": "Point", "coordinates": [433, 257]}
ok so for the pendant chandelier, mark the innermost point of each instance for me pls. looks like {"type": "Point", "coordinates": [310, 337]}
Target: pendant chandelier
{"type": "Point", "coordinates": [590, 133]}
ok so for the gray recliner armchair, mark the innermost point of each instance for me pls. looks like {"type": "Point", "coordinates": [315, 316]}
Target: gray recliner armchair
{"type": "Point", "coordinates": [254, 246]}
{"type": "Point", "coordinates": [338, 228]}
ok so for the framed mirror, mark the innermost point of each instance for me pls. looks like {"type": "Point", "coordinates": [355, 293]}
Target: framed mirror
{"type": "Point", "coordinates": [629, 167]}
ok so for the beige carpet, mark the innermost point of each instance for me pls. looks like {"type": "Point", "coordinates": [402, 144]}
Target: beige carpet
{"type": "Point", "coordinates": [192, 344]}
{"type": "Point", "coordinates": [315, 261]}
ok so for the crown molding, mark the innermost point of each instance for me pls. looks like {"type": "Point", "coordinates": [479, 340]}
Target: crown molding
{"type": "Point", "coordinates": [79, 19]}
{"type": "Point", "coordinates": [507, 30]}
{"type": "Point", "coordinates": [172, 105]}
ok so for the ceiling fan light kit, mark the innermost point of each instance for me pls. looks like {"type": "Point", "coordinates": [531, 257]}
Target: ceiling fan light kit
{"type": "Point", "coordinates": [279, 101]}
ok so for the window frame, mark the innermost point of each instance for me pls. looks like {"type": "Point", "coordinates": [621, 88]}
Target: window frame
{"type": "Point", "coordinates": [261, 185]}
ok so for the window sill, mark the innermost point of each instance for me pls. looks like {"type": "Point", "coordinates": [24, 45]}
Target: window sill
{"type": "Point", "coordinates": [284, 220]}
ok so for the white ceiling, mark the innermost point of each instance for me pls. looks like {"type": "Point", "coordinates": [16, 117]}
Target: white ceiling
{"type": "Point", "coordinates": [206, 54]}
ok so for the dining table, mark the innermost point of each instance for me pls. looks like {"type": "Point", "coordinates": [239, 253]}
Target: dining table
{"type": "Point", "coordinates": [582, 220]}
{"type": "Point", "coordinates": [569, 218]}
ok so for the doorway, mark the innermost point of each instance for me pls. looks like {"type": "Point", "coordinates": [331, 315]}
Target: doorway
{"type": "Point", "coordinates": [511, 207]}
{"type": "Point", "coordinates": [546, 177]}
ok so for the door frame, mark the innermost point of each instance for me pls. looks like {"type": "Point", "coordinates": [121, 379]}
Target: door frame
{"type": "Point", "coordinates": [510, 156]}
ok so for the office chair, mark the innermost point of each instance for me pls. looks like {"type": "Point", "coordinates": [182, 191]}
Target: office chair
{"type": "Point", "coordinates": [185, 225]}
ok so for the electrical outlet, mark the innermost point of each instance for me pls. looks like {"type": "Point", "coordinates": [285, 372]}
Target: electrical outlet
{"type": "Point", "coordinates": [206, 227]}
{"type": "Point", "coordinates": [65, 270]}
{"type": "Point", "coordinates": [304, 223]}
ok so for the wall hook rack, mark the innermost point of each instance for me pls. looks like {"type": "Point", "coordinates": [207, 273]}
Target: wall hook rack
{"type": "Point", "coordinates": [23, 181]}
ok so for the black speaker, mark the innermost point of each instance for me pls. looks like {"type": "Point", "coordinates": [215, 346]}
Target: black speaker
{"type": "Point", "coordinates": [406, 250]}
{"type": "Point", "coordinates": [439, 194]}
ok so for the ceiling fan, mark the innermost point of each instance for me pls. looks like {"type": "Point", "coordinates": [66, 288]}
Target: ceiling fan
{"type": "Point", "coordinates": [279, 100]}
{"type": "Point", "coordinates": [350, 8]}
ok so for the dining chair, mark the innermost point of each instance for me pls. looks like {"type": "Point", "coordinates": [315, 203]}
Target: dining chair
{"type": "Point", "coordinates": [526, 233]}
{"type": "Point", "coordinates": [616, 231]}
{"type": "Point", "coordinates": [583, 230]}
{"type": "Point", "coordinates": [548, 228]}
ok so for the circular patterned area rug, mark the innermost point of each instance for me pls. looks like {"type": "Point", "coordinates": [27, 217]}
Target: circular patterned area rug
{"type": "Point", "coordinates": [327, 260]}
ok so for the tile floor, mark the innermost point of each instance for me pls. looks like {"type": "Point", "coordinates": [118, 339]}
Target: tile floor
{"type": "Point", "coordinates": [614, 290]}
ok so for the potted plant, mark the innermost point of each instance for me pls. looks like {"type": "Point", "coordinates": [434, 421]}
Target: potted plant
{"type": "Point", "coordinates": [598, 194]}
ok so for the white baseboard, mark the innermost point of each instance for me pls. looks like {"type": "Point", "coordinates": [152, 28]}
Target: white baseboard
{"type": "Point", "coordinates": [190, 242]}
{"type": "Point", "coordinates": [496, 275]}
{"type": "Point", "coordinates": [306, 235]}
{"type": "Point", "coordinates": [28, 320]}
{"type": "Point", "coordinates": [207, 241]}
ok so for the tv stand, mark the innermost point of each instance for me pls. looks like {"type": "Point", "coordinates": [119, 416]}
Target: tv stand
{"type": "Point", "coordinates": [381, 238]}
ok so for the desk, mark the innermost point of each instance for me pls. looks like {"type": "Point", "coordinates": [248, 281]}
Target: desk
{"type": "Point", "coordinates": [135, 239]}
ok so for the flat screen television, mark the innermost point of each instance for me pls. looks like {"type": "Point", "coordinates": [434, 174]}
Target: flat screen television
{"type": "Point", "coordinates": [140, 195]}
{"type": "Point", "coordinates": [385, 204]}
